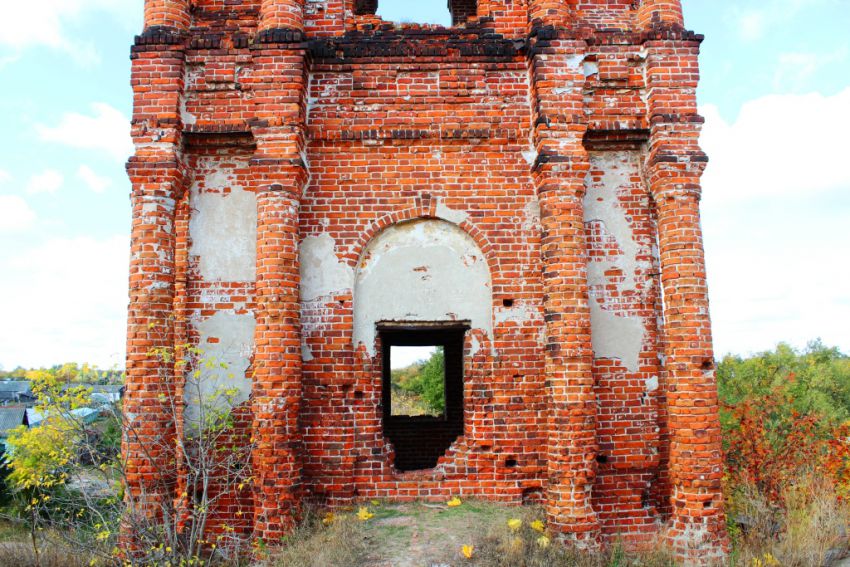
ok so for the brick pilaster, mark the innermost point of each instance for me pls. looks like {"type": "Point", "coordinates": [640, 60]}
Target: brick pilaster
{"type": "Point", "coordinates": [559, 175]}
{"type": "Point", "coordinates": [157, 178]}
{"type": "Point", "coordinates": [282, 15]}
{"type": "Point", "coordinates": [148, 440]}
{"type": "Point", "coordinates": [674, 166]}
{"type": "Point", "coordinates": [277, 360]}
{"type": "Point", "coordinates": [279, 174]}
{"type": "Point", "coordinates": [664, 13]}
{"type": "Point", "coordinates": [170, 14]}
{"type": "Point", "coordinates": [555, 13]}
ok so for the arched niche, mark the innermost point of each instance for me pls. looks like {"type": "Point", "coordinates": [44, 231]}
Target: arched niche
{"type": "Point", "coordinates": [425, 270]}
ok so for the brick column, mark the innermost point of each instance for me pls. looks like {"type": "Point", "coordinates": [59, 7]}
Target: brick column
{"type": "Point", "coordinates": [664, 13]}
{"type": "Point", "coordinates": [148, 440]}
{"type": "Point", "coordinates": [171, 14]}
{"type": "Point", "coordinates": [282, 15]}
{"type": "Point", "coordinates": [157, 181]}
{"type": "Point", "coordinates": [559, 175]}
{"type": "Point", "coordinates": [554, 13]}
{"type": "Point", "coordinates": [279, 174]}
{"type": "Point", "coordinates": [674, 167]}
{"type": "Point", "coordinates": [277, 360]}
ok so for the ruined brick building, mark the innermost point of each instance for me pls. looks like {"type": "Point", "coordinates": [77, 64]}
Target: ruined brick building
{"type": "Point", "coordinates": [313, 186]}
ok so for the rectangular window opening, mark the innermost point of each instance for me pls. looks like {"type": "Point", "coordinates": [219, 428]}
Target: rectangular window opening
{"type": "Point", "coordinates": [418, 380]}
{"type": "Point", "coordinates": [422, 374]}
{"type": "Point", "coordinates": [439, 12]}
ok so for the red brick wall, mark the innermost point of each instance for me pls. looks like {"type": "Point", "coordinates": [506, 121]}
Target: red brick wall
{"type": "Point", "coordinates": [350, 125]}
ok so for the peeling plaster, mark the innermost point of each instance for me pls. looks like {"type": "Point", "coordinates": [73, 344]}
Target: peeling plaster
{"type": "Point", "coordinates": [421, 271]}
{"type": "Point", "coordinates": [601, 205]}
{"type": "Point", "coordinates": [322, 273]}
{"type": "Point", "coordinates": [532, 215]}
{"type": "Point", "coordinates": [225, 339]}
{"type": "Point", "coordinates": [652, 384]}
{"type": "Point", "coordinates": [452, 215]}
{"type": "Point", "coordinates": [590, 68]}
{"type": "Point", "coordinates": [519, 313]}
{"type": "Point", "coordinates": [575, 61]}
{"type": "Point", "coordinates": [223, 229]}
{"type": "Point", "coordinates": [616, 337]}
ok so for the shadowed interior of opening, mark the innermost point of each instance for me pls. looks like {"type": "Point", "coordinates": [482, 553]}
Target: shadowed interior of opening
{"type": "Point", "coordinates": [423, 393]}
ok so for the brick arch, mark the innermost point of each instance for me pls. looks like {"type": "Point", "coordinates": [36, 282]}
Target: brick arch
{"type": "Point", "coordinates": [425, 209]}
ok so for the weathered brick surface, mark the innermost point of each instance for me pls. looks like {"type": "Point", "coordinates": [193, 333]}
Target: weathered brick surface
{"type": "Point", "coordinates": [560, 137]}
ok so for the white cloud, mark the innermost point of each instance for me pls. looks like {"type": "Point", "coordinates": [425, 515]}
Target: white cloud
{"type": "Point", "coordinates": [779, 145]}
{"type": "Point", "coordinates": [796, 69]}
{"type": "Point", "coordinates": [50, 23]}
{"type": "Point", "coordinates": [107, 130]}
{"type": "Point", "coordinates": [94, 181]}
{"type": "Point", "coordinates": [753, 24]}
{"type": "Point", "coordinates": [5, 176]}
{"type": "Point", "coordinates": [15, 214]}
{"type": "Point", "coordinates": [70, 302]}
{"type": "Point", "coordinates": [776, 207]}
{"type": "Point", "coordinates": [48, 181]}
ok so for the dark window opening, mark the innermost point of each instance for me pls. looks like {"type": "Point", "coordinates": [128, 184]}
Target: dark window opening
{"type": "Point", "coordinates": [453, 12]}
{"type": "Point", "coordinates": [422, 392]}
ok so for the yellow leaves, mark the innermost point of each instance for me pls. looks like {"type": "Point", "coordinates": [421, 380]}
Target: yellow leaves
{"type": "Point", "coordinates": [543, 542]}
{"type": "Point", "coordinates": [364, 514]}
{"type": "Point", "coordinates": [538, 526]}
{"type": "Point", "coordinates": [516, 545]}
{"type": "Point", "coordinates": [766, 560]}
{"type": "Point", "coordinates": [515, 524]}
{"type": "Point", "coordinates": [329, 519]}
{"type": "Point", "coordinates": [454, 502]}
{"type": "Point", "coordinates": [467, 551]}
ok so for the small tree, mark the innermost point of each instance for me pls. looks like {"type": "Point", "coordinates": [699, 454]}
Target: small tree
{"type": "Point", "coordinates": [69, 480]}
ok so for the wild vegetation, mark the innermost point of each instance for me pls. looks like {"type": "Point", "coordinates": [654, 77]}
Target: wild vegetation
{"type": "Point", "coordinates": [786, 423]}
{"type": "Point", "coordinates": [70, 372]}
{"type": "Point", "coordinates": [420, 389]}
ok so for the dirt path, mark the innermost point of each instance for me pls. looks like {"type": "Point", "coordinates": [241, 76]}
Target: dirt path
{"type": "Point", "coordinates": [428, 535]}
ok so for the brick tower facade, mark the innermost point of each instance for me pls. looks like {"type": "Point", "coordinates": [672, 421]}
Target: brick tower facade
{"type": "Point", "coordinates": [312, 185]}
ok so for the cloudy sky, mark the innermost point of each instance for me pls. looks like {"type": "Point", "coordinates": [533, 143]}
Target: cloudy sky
{"type": "Point", "coordinates": [775, 92]}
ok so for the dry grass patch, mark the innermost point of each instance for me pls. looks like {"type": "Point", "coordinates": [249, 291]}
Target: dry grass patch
{"type": "Point", "coordinates": [811, 529]}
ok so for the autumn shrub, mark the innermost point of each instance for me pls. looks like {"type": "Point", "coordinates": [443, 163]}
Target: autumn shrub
{"type": "Point", "coordinates": [785, 416]}
{"type": "Point", "coordinates": [68, 478]}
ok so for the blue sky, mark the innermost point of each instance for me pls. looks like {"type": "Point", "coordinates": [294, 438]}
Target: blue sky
{"type": "Point", "coordinates": [775, 93]}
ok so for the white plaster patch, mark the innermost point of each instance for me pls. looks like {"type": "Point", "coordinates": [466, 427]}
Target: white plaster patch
{"type": "Point", "coordinates": [421, 271]}
{"type": "Point", "coordinates": [652, 384]}
{"type": "Point", "coordinates": [616, 337]}
{"type": "Point", "coordinates": [452, 215]}
{"type": "Point", "coordinates": [223, 229]}
{"type": "Point", "coordinates": [227, 342]}
{"type": "Point", "coordinates": [322, 273]}
{"type": "Point", "coordinates": [575, 61]}
{"type": "Point", "coordinates": [187, 117]}
{"type": "Point", "coordinates": [590, 68]}
{"type": "Point", "coordinates": [601, 205]}
{"type": "Point", "coordinates": [519, 313]}
{"type": "Point", "coordinates": [531, 221]}
{"type": "Point", "coordinates": [530, 155]}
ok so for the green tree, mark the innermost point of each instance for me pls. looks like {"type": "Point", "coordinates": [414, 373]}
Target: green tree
{"type": "Point", "coordinates": [430, 383]}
